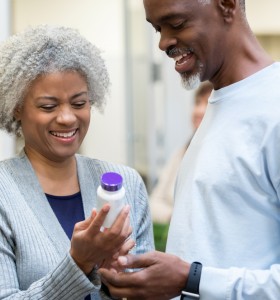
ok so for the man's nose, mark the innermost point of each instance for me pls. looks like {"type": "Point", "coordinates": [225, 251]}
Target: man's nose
{"type": "Point", "coordinates": [166, 41]}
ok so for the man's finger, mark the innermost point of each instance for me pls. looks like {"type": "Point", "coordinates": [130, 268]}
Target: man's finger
{"type": "Point", "coordinates": [138, 261]}
{"type": "Point", "coordinates": [113, 279]}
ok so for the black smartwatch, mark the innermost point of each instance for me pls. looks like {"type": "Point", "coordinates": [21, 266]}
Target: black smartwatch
{"type": "Point", "coordinates": [191, 291]}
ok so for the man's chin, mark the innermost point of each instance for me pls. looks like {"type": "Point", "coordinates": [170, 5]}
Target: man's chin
{"type": "Point", "coordinates": [190, 82]}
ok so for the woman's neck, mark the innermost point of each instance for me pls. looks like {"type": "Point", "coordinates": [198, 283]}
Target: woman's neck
{"type": "Point", "coordinates": [58, 178]}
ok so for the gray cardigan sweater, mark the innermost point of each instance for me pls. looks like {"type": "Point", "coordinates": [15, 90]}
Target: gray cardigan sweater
{"type": "Point", "coordinates": [34, 249]}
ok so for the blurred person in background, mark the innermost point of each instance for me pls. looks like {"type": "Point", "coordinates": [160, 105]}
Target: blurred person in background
{"type": "Point", "coordinates": [161, 198]}
{"type": "Point", "coordinates": [51, 245]}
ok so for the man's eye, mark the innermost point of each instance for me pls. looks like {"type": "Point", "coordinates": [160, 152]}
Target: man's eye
{"type": "Point", "coordinates": [179, 25]}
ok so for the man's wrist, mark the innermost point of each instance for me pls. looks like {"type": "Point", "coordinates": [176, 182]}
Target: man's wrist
{"type": "Point", "coordinates": [191, 290]}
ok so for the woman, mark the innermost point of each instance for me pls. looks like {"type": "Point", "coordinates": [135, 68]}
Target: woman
{"type": "Point", "coordinates": [51, 245]}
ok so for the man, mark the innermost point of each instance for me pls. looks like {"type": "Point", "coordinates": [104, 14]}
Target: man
{"type": "Point", "coordinates": [227, 209]}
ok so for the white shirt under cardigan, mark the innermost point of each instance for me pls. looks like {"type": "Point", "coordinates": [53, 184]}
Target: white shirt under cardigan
{"type": "Point", "coordinates": [227, 209]}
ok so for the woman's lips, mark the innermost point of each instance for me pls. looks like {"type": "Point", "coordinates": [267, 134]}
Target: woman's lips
{"type": "Point", "coordinates": [68, 134]}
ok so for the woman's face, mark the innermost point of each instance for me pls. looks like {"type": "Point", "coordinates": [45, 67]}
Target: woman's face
{"type": "Point", "coordinates": [55, 115]}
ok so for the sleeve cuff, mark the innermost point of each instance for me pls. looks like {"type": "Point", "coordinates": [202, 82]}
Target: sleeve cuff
{"type": "Point", "coordinates": [213, 283]}
{"type": "Point", "coordinates": [93, 281]}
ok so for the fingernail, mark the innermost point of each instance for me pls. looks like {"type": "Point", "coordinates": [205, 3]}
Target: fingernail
{"type": "Point", "coordinates": [106, 208]}
{"type": "Point", "coordinates": [122, 260]}
{"type": "Point", "coordinates": [127, 208]}
{"type": "Point", "coordinates": [132, 247]}
{"type": "Point", "coordinates": [93, 213]}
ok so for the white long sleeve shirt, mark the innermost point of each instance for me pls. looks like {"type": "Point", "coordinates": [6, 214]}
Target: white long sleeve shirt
{"type": "Point", "coordinates": [227, 208]}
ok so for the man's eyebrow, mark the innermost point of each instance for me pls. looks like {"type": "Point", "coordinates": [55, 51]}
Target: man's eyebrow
{"type": "Point", "coordinates": [167, 18]}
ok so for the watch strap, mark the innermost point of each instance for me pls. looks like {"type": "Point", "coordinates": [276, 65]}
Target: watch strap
{"type": "Point", "coordinates": [191, 291]}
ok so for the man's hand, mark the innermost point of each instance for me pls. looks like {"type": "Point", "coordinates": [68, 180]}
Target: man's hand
{"type": "Point", "coordinates": [162, 277]}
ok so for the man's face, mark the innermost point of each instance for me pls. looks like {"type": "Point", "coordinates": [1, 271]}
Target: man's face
{"type": "Point", "coordinates": [190, 33]}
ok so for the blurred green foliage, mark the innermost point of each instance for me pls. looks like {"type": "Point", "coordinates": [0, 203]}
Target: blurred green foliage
{"type": "Point", "coordinates": [160, 236]}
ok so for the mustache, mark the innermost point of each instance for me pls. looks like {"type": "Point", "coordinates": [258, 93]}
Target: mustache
{"type": "Point", "coordinates": [173, 51]}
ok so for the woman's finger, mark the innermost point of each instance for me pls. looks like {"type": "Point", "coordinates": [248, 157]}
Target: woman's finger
{"type": "Point", "coordinates": [98, 220]}
{"type": "Point", "coordinates": [120, 220]}
{"type": "Point", "coordinates": [126, 247]}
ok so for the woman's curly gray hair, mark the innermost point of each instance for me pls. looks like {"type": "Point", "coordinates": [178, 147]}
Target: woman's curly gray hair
{"type": "Point", "coordinates": [42, 50]}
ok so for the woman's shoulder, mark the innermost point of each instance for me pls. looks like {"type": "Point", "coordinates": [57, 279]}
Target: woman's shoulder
{"type": "Point", "coordinates": [16, 162]}
{"type": "Point", "coordinates": [11, 171]}
{"type": "Point", "coordinates": [8, 163]}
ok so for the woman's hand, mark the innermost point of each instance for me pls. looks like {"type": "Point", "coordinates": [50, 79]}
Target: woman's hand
{"type": "Point", "coordinates": [91, 247]}
{"type": "Point", "coordinates": [113, 262]}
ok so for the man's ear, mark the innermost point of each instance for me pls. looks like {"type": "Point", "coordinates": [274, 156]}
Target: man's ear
{"type": "Point", "coordinates": [227, 9]}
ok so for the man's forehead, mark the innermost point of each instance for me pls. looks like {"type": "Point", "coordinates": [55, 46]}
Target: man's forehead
{"type": "Point", "coordinates": [160, 10]}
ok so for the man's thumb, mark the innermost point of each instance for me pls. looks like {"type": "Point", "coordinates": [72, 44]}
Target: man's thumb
{"type": "Point", "coordinates": [136, 261]}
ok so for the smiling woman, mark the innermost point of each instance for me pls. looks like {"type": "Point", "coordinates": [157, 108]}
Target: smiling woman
{"type": "Point", "coordinates": [55, 115]}
{"type": "Point", "coordinates": [51, 246]}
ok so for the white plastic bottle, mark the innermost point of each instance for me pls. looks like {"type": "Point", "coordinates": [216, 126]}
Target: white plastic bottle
{"type": "Point", "coordinates": [111, 191]}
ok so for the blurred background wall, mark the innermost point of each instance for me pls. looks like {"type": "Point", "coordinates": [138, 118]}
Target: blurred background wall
{"type": "Point", "coordinates": [7, 142]}
{"type": "Point", "coordinates": [148, 112]}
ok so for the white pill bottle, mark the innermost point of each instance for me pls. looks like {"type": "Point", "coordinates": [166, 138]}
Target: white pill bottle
{"type": "Point", "coordinates": [111, 191]}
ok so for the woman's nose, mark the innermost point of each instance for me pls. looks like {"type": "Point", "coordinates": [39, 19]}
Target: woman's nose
{"type": "Point", "coordinates": [66, 115]}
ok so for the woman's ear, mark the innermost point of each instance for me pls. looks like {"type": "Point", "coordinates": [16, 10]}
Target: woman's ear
{"type": "Point", "coordinates": [228, 9]}
{"type": "Point", "coordinates": [17, 113]}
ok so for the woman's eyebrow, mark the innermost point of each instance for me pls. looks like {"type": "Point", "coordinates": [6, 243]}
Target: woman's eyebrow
{"type": "Point", "coordinates": [55, 98]}
{"type": "Point", "coordinates": [79, 94]}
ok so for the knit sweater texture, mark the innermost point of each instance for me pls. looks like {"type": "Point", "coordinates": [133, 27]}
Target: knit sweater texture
{"type": "Point", "coordinates": [34, 249]}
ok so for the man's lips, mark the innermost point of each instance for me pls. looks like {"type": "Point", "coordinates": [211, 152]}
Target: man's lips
{"type": "Point", "coordinates": [184, 63]}
{"type": "Point", "coordinates": [183, 59]}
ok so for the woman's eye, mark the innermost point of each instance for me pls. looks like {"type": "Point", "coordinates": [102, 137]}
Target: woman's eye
{"type": "Point", "coordinates": [80, 104]}
{"type": "Point", "coordinates": [47, 107]}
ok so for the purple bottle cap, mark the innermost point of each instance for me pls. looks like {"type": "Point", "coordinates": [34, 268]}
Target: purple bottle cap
{"type": "Point", "coordinates": [111, 181]}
